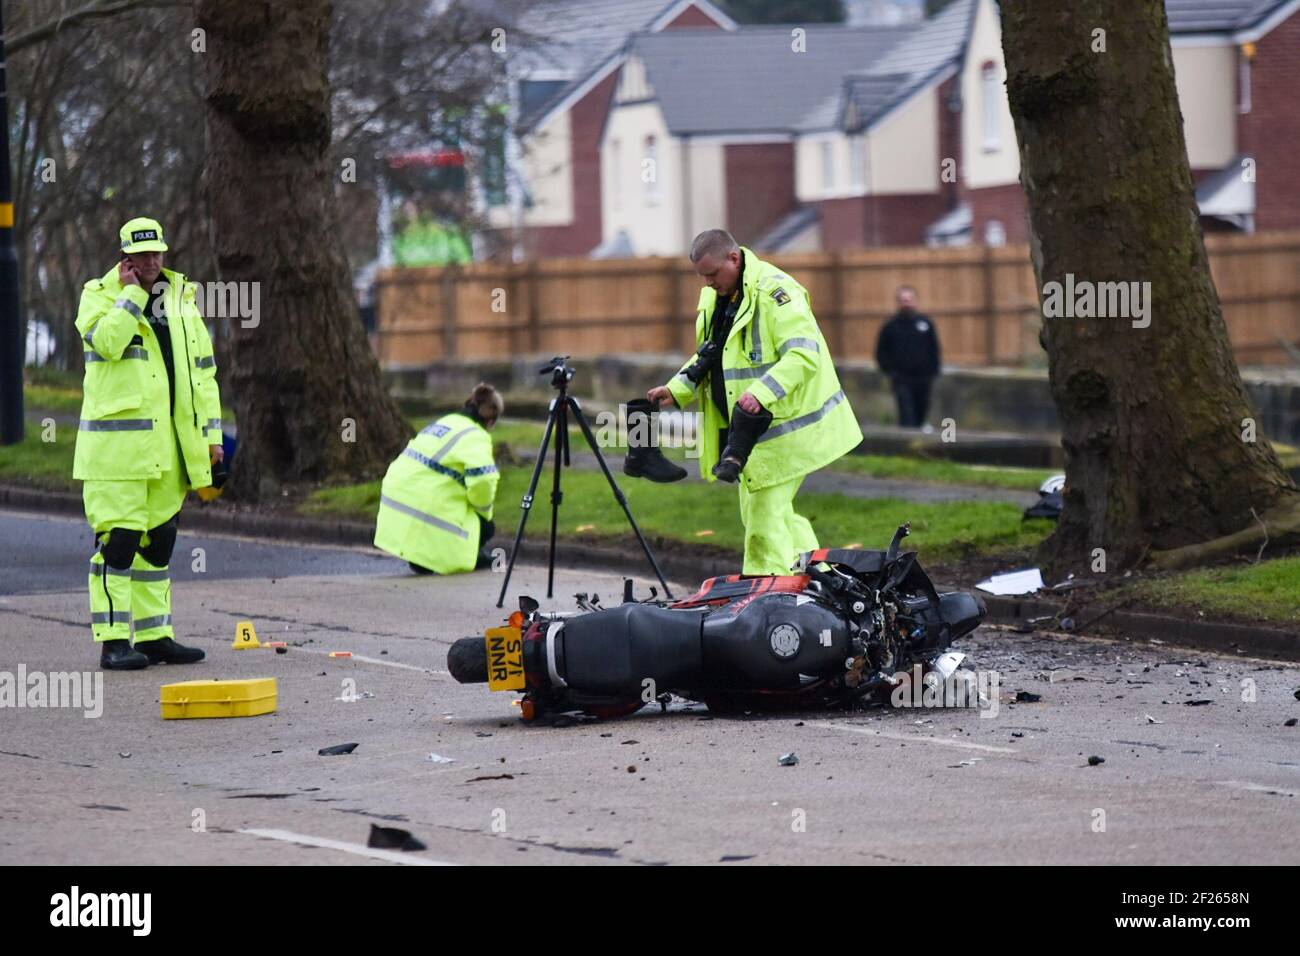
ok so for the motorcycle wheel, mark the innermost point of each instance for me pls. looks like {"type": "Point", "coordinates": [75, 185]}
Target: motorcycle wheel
{"type": "Point", "coordinates": [467, 660]}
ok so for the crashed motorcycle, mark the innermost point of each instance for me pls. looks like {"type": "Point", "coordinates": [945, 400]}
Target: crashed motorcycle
{"type": "Point", "coordinates": [840, 633]}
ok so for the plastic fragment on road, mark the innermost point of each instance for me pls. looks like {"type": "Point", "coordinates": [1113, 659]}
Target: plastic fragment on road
{"type": "Point", "coordinates": [340, 653]}
{"type": "Point", "coordinates": [787, 760]}
{"type": "Point", "coordinates": [439, 758]}
{"type": "Point", "coordinates": [337, 750]}
{"type": "Point", "coordinates": [1023, 581]}
{"type": "Point", "coordinates": [393, 838]}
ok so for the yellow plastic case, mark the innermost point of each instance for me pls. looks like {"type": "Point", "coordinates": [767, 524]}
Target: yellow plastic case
{"type": "Point", "coordinates": [218, 698]}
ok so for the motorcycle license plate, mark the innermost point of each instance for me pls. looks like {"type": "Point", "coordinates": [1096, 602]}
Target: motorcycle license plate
{"type": "Point", "coordinates": [505, 655]}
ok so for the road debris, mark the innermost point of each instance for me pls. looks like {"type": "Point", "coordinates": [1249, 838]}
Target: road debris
{"type": "Point", "coordinates": [1023, 581]}
{"type": "Point", "coordinates": [787, 760]}
{"type": "Point", "coordinates": [393, 838]}
{"type": "Point", "coordinates": [1095, 760]}
{"type": "Point", "coordinates": [337, 750]}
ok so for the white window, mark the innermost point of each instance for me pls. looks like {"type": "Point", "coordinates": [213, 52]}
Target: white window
{"type": "Point", "coordinates": [828, 166]}
{"type": "Point", "coordinates": [858, 161]}
{"type": "Point", "coordinates": [992, 103]}
{"type": "Point", "coordinates": [650, 171]}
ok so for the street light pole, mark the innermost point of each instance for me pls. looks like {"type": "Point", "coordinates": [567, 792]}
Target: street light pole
{"type": "Point", "coordinates": [13, 346]}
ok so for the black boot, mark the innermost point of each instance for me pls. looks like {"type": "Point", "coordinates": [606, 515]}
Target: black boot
{"type": "Point", "coordinates": [166, 651]}
{"type": "Point", "coordinates": [644, 459]}
{"type": "Point", "coordinates": [744, 434]}
{"type": "Point", "coordinates": [118, 656]}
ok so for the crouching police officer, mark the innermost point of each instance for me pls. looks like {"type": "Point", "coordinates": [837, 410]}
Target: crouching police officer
{"type": "Point", "coordinates": [150, 430]}
{"type": "Point", "coordinates": [773, 409]}
{"type": "Point", "coordinates": [435, 504]}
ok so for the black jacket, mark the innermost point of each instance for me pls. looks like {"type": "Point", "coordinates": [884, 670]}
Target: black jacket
{"type": "Point", "coordinates": [908, 347]}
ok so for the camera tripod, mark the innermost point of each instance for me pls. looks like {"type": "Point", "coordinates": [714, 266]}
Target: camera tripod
{"type": "Point", "coordinates": [557, 423]}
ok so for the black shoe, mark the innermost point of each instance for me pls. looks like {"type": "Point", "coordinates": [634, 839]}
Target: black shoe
{"type": "Point", "coordinates": [118, 656]}
{"type": "Point", "coordinates": [166, 651]}
{"type": "Point", "coordinates": [651, 463]}
{"type": "Point", "coordinates": [746, 429]}
{"type": "Point", "coordinates": [647, 461]}
{"type": "Point", "coordinates": [484, 560]}
{"type": "Point", "coordinates": [418, 568]}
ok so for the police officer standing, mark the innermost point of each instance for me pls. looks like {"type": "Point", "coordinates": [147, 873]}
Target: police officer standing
{"type": "Point", "coordinates": [773, 409]}
{"type": "Point", "coordinates": [150, 431]}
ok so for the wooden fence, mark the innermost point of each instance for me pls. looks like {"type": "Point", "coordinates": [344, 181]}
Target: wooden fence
{"type": "Point", "coordinates": [982, 299]}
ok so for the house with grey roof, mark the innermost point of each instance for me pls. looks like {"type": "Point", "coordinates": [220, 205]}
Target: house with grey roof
{"type": "Point", "coordinates": [561, 83]}
{"type": "Point", "coordinates": [832, 137]}
{"type": "Point", "coordinates": [1237, 68]}
{"type": "Point", "coordinates": [701, 129]}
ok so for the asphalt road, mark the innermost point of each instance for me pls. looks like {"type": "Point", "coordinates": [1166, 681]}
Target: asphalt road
{"type": "Point", "coordinates": [1207, 783]}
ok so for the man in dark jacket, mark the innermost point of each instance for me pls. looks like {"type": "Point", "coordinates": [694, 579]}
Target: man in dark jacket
{"type": "Point", "coordinates": [908, 352]}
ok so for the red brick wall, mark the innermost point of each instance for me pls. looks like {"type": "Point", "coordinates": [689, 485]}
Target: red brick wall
{"type": "Point", "coordinates": [1271, 130]}
{"type": "Point", "coordinates": [693, 17]}
{"type": "Point", "coordinates": [586, 119]}
{"type": "Point", "coordinates": [759, 179]}
{"type": "Point", "coordinates": [878, 220]}
{"type": "Point", "coordinates": [843, 223]}
{"type": "Point", "coordinates": [1003, 203]}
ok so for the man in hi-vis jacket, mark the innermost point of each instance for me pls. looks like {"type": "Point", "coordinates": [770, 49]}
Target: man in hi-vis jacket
{"type": "Point", "coordinates": [773, 409]}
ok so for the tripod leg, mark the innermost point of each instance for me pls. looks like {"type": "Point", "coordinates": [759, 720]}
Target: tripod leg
{"type": "Point", "coordinates": [526, 504]}
{"type": "Point", "coordinates": [618, 492]}
{"type": "Point", "coordinates": [557, 496]}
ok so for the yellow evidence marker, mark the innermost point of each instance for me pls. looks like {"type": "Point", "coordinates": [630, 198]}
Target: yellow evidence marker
{"type": "Point", "coordinates": [245, 636]}
{"type": "Point", "coordinates": [218, 698]}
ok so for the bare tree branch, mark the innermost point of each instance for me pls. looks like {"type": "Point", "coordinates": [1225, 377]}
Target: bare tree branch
{"type": "Point", "coordinates": [95, 10]}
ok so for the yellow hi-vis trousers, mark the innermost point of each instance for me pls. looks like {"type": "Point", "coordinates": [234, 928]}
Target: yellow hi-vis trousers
{"type": "Point", "coordinates": [142, 595]}
{"type": "Point", "coordinates": [774, 535]}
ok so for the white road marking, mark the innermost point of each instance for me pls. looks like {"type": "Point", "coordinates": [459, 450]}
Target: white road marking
{"type": "Point", "coordinates": [1256, 787]}
{"type": "Point", "coordinates": [914, 738]}
{"type": "Point", "coordinates": [374, 660]}
{"type": "Point", "coordinates": [302, 839]}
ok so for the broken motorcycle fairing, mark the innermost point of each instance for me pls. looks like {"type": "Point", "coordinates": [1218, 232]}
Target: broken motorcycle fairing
{"type": "Point", "coordinates": [838, 633]}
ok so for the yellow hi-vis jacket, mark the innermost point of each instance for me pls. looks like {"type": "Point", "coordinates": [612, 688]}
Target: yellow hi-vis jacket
{"type": "Point", "coordinates": [434, 493]}
{"type": "Point", "coordinates": [126, 413]}
{"type": "Point", "coordinates": [775, 351]}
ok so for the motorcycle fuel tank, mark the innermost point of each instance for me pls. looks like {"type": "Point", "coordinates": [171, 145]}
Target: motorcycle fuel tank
{"type": "Point", "coordinates": [769, 641]}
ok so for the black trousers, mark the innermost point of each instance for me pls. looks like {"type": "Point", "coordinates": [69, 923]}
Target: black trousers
{"type": "Point", "coordinates": [913, 398]}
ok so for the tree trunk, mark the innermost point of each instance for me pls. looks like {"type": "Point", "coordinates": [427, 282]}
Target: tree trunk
{"type": "Point", "coordinates": [305, 368]}
{"type": "Point", "coordinates": [1158, 448]}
